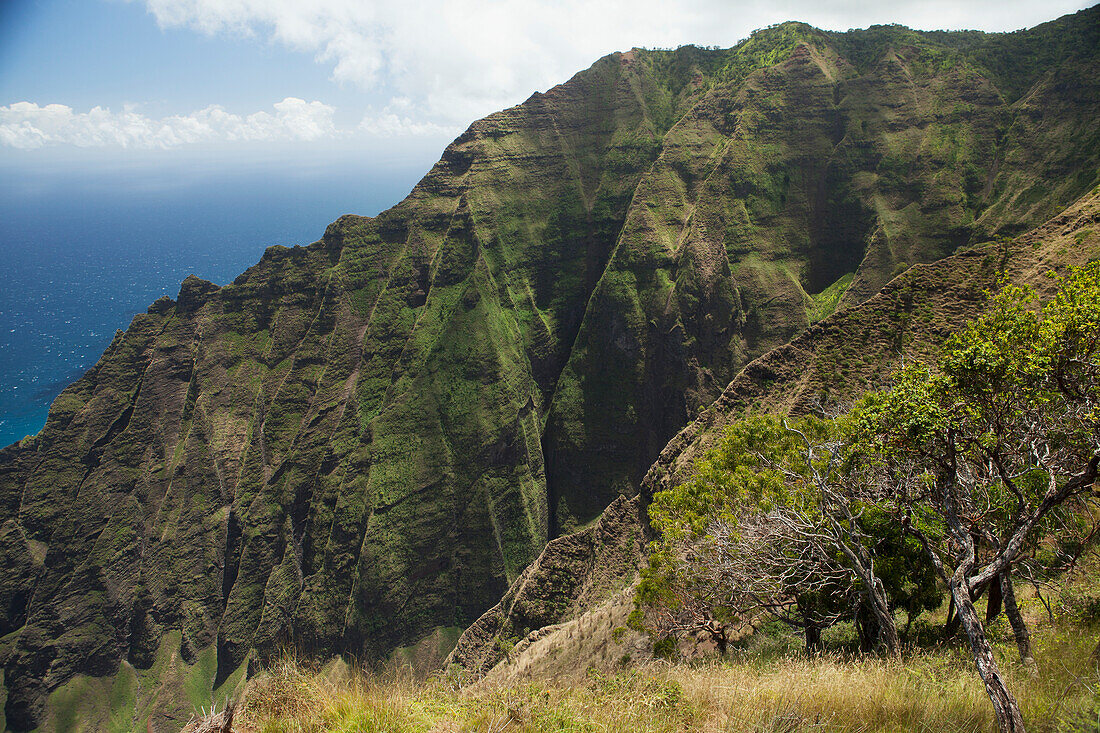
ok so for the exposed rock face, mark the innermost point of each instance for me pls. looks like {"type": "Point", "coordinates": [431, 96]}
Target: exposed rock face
{"type": "Point", "coordinates": [573, 574]}
{"type": "Point", "coordinates": [369, 438]}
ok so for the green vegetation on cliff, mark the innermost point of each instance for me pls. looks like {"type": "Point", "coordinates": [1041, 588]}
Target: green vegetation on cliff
{"type": "Point", "coordinates": [367, 439]}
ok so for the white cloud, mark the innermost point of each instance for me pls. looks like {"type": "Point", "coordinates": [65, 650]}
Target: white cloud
{"type": "Point", "coordinates": [388, 124]}
{"type": "Point", "coordinates": [27, 125]}
{"type": "Point", "coordinates": [433, 66]}
{"type": "Point", "coordinates": [457, 60]}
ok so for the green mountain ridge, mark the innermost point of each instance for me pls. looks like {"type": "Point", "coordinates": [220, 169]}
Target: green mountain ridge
{"type": "Point", "coordinates": [824, 368]}
{"type": "Point", "coordinates": [363, 442]}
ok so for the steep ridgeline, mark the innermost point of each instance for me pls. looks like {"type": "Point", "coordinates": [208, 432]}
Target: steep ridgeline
{"type": "Point", "coordinates": [364, 441]}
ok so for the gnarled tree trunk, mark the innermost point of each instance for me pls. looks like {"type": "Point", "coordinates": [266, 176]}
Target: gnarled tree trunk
{"type": "Point", "coordinates": [887, 640]}
{"type": "Point", "coordinates": [1004, 704]}
{"type": "Point", "coordinates": [1019, 626]}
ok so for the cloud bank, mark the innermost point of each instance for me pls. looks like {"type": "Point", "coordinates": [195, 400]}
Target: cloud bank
{"type": "Point", "coordinates": [447, 61]}
{"type": "Point", "coordinates": [429, 67]}
{"type": "Point", "coordinates": [453, 61]}
{"type": "Point", "coordinates": [26, 125]}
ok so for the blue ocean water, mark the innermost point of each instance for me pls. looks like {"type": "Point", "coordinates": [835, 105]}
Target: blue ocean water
{"type": "Point", "coordinates": [80, 259]}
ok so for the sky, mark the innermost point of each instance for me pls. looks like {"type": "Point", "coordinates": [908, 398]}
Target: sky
{"type": "Point", "coordinates": [195, 85]}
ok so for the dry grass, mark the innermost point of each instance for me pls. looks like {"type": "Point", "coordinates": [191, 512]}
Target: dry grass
{"type": "Point", "coordinates": [930, 691]}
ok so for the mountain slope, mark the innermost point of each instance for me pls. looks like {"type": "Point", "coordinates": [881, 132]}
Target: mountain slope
{"type": "Point", "coordinates": [565, 626]}
{"type": "Point", "coordinates": [364, 441]}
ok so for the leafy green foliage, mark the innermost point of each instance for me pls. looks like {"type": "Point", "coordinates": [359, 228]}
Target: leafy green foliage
{"type": "Point", "coordinates": [755, 532]}
{"type": "Point", "coordinates": [978, 448]}
{"type": "Point", "coordinates": [909, 579]}
{"type": "Point", "coordinates": [1008, 412]}
{"type": "Point", "coordinates": [730, 477]}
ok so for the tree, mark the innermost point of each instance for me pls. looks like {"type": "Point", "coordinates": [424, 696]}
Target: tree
{"type": "Point", "coordinates": [973, 455]}
{"type": "Point", "coordinates": [737, 573]}
{"type": "Point", "coordinates": [833, 520]}
{"type": "Point", "coordinates": [766, 563]}
{"type": "Point", "coordinates": [768, 525]}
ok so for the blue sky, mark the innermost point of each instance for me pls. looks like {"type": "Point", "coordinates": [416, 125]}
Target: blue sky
{"type": "Point", "coordinates": [178, 84]}
{"type": "Point", "coordinates": [95, 52]}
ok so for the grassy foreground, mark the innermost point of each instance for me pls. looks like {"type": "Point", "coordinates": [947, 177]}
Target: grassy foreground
{"type": "Point", "coordinates": [753, 691]}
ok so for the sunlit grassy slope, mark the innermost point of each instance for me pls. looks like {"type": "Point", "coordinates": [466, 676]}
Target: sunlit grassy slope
{"type": "Point", "coordinates": [766, 684]}
{"type": "Point", "coordinates": [932, 690]}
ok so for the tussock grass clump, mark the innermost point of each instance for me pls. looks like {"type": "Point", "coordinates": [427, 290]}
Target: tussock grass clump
{"type": "Point", "coordinates": [923, 691]}
{"type": "Point", "coordinates": [296, 697]}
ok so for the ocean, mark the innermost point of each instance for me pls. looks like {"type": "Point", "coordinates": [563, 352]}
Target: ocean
{"type": "Point", "coordinates": [81, 258]}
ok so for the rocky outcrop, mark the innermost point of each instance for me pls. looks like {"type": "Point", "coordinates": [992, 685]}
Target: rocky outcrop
{"type": "Point", "coordinates": [362, 441]}
{"type": "Point", "coordinates": [574, 574]}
